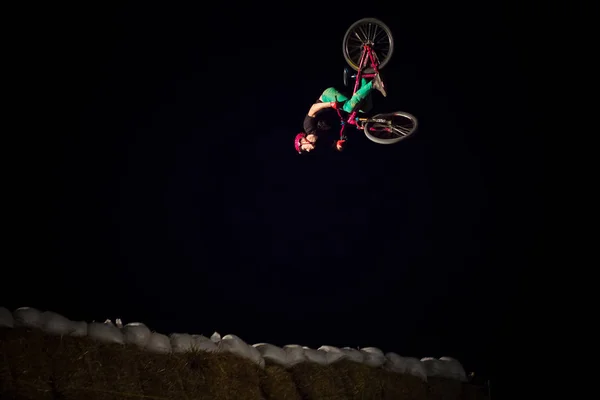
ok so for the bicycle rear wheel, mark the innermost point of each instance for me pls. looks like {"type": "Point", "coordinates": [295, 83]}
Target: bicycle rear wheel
{"type": "Point", "coordinates": [368, 31]}
{"type": "Point", "coordinates": [390, 128]}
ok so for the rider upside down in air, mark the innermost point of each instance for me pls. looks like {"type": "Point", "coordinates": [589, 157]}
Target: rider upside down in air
{"type": "Point", "coordinates": [331, 98]}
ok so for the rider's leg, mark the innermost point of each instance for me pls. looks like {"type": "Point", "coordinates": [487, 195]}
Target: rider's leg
{"type": "Point", "coordinates": [358, 97]}
{"type": "Point", "coordinates": [368, 103]}
{"type": "Point", "coordinates": [332, 94]}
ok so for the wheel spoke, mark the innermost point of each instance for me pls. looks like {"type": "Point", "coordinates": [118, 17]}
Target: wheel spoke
{"type": "Point", "coordinates": [402, 129]}
{"type": "Point", "coordinates": [360, 34]}
{"type": "Point", "coordinates": [363, 32]}
{"type": "Point", "coordinates": [382, 49]}
{"type": "Point", "coordinates": [357, 52]}
{"type": "Point", "coordinates": [382, 31]}
{"type": "Point", "coordinates": [376, 57]}
{"type": "Point", "coordinates": [385, 40]}
{"type": "Point", "coordinates": [399, 131]}
{"type": "Point", "coordinates": [381, 46]}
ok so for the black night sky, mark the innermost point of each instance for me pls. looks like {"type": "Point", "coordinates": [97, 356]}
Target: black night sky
{"type": "Point", "coordinates": [157, 182]}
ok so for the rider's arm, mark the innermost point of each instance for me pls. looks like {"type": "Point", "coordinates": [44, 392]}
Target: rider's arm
{"type": "Point", "coordinates": [315, 108]}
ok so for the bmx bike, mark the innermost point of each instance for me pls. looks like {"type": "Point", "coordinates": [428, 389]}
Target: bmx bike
{"type": "Point", "coordinates": [368, 46]}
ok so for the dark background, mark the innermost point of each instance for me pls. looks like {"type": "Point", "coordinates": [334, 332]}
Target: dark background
{"type": "Point", "coordinates": [155, 178]}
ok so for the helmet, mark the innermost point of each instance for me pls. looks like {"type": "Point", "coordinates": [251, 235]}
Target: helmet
{"type": "Point", "coordinates": [297, 141]}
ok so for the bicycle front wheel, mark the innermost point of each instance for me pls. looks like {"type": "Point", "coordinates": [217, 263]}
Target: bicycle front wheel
{"type": "Point", "coordinates": [390, 128]}
{"type": "Point", "coordinates": [372, 32]}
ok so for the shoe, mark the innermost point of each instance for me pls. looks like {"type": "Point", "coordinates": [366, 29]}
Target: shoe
{"type": "Point", "coordinates": [378, 84]}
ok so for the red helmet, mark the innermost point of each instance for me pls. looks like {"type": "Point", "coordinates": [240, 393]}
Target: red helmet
{"type": "Point", "coordinates": [297, 141]}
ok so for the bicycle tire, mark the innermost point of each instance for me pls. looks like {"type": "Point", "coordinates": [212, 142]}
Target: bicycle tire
{"type": "Point", "coordinates": [349, 31]}
{"type": "Point", "coordinates": [388, 116]}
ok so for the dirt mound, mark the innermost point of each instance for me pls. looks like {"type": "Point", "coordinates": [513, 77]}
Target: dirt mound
{"type": "Point", "coordinates": [35, 365]}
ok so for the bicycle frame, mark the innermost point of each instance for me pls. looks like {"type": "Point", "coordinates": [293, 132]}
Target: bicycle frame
{"type": "Point", "coordinates": [366, 56]}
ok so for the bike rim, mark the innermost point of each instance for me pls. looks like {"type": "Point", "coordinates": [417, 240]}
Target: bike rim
{"type": "Point", "coordinates": [368, 33]}
{"type": "Point", "coordinates": [396, 128]}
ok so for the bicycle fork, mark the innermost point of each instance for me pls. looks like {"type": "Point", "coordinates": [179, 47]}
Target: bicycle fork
{"type": "Point", "coordinates": [342, 130]}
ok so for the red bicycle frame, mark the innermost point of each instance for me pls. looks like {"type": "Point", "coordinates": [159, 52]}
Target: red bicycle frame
{"type": "Point", "coordinates": [367, 54]}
